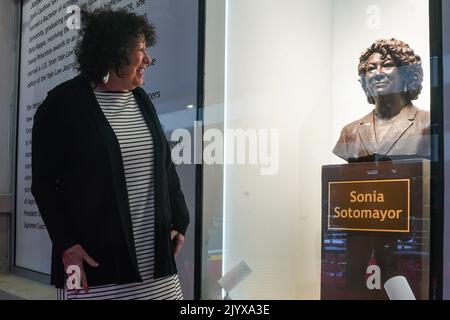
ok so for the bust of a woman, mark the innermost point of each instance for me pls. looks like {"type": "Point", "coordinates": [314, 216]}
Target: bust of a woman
{"type": "Point", "coordinates": [391, 75]}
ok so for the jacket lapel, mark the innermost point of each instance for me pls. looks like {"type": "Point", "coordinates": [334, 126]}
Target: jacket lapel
{"type": "Point", "coordinates": [396, 131]}
{"type": "Point", "coordinates": [366, 132]}
{"type": "Point", "coordinates": [151, 118]}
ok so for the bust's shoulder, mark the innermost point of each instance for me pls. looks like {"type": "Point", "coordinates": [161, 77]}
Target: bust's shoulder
{"type": "Point", "coordinates": [350, 128]}
{"type": "Point", "coordinates": [421, 117]}
{"type": "Point", "coordinates": [422, 114]}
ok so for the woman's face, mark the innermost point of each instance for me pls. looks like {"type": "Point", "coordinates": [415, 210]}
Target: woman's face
{"type": "Point", "coordinates": [383, 76]}
{"type": "Point", "coordinates": [132, 75]}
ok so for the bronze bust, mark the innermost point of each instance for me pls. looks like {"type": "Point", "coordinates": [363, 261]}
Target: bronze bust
{"type": "Point", "coordinates": [391, 75]}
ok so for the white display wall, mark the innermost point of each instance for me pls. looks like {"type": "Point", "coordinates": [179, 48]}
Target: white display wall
{"type": "Point", "coordinates": [278, 77]}
{"type": "Point", "coordinates": [8, 51]}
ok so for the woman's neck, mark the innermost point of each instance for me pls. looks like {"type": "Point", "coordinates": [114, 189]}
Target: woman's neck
{"type": "Point", "coordinates": [108, 87]}
{"type": "Point", "coordinates": [387, 107]}
{"type": "Point", "coordinates": [114, 83]}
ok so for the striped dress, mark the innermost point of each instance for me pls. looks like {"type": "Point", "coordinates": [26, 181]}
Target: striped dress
{"type": "Point", "coordinates": [136, 145]}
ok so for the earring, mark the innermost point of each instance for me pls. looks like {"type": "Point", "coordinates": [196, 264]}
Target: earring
{"type": "Point", "coordinates": [105, 78]}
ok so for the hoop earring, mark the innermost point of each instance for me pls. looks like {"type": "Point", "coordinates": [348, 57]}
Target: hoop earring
{"type": "Point", "coordinates": [105, 78]}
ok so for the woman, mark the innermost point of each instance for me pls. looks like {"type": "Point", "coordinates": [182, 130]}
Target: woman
{"type": "Point", "coordinates": [103, 177]}
{"type": "Point", "coordinates": [391, 75]}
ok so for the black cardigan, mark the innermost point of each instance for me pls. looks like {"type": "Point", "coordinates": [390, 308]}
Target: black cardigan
{"type": "Point", "coordinates": [78, 182]}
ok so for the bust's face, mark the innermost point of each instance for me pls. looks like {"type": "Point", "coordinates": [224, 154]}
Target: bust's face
{"type": "Point", "coordinates": [382, 76]}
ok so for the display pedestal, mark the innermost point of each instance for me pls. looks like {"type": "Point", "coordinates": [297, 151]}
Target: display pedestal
{"type": "Point", "coordinates": [375, 226]}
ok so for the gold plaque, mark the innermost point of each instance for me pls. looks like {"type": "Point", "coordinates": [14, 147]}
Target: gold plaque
{"type": "Point", "coordinates": [371, 205]}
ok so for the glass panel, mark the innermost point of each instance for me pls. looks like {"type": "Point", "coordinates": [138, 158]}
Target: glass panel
{"type": "Point", "coordinates": [291, 84]}
{"type": "Point", "coordinates": [446, 236]}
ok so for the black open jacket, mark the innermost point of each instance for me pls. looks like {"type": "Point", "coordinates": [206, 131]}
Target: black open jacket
{"type": "Point", "coordinates": [79, 186]}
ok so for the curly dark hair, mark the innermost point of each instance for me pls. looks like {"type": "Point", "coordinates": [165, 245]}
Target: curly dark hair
{"type": "Point", "coordinates": [105, 38]}
{"type": "Point", "coordinates": [409, 63]}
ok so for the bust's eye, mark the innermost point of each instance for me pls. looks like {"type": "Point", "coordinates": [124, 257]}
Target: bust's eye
{"type": "Point", "coordinates": [371, 68]}
{"type": "Point", "coordinates": [389, 64]}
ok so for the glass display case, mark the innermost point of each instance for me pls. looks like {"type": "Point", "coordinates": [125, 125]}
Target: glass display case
{"type": "Point", "coordinates": [297, 88]}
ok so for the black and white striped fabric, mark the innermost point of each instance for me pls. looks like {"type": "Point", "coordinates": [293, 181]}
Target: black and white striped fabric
{"type": "Point", "coordinates": [136, 145]}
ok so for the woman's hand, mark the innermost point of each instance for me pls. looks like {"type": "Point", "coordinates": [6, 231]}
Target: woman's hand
{"type": "Point", "coordinates": [75, 256]}
{"type": "Point", "coordinates": [178, 241]}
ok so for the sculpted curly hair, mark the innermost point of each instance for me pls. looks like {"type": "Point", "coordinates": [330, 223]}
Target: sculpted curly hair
{"type": "Point", "coordinates": [105, 38]}
{"type": "Point", "coordinates": [409, 64]}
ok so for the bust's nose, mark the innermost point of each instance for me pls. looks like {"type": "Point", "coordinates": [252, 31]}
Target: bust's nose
{"type": "Point", "coordinates": [379, 75]}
